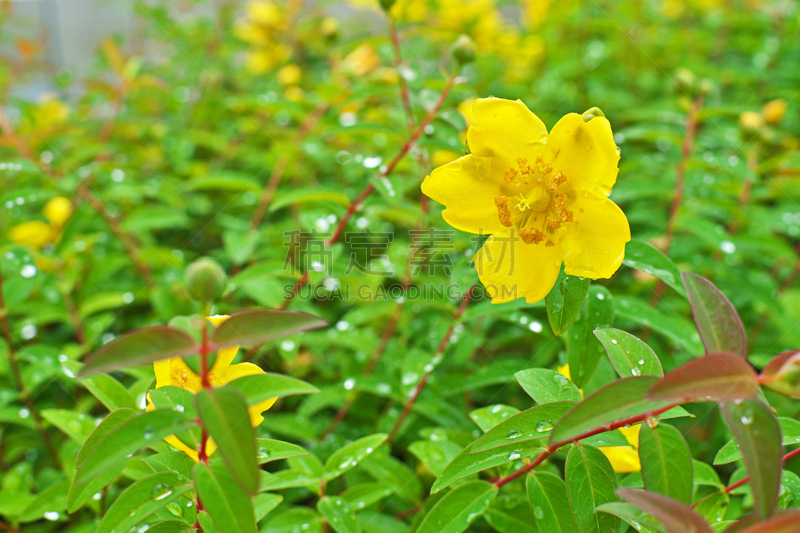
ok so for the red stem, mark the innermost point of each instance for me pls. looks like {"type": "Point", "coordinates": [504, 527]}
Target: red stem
{"type": "Point", "coordinates": [421, 383]}
{"type": "Point", "coordinates": [550, 450]}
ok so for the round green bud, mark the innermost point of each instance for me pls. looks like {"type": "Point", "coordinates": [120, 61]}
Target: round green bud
{"type": "Point", "coordinates": [463, 50]}
{"type": "Point", "coordinates": [705, 87]}
{"type": "Point", "coordinates": [591, 113]}
{"type": "Point", "coordinates": [386, 5]}
{"type": "Point", "coordinates": [206, 280]}
{"type": "Point", "coordinates": [685, 80]}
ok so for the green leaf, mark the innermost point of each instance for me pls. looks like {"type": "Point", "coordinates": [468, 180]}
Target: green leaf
{"type": "Point", "coordinates": [239, 245]}
{"type": "Point", "coordinates": [583, 349]}
{"type": "Point", "coordinates": [257, 326]}
{"type": "Point", "coordinates": [229, 506]}
{"type": "Point", "coordinates": [79, 494]}
{"type": "Point", "coordinates": [263, 504]}
{"type": "Point", "coordinates": [632, 515]}
{"type": "Point", "coordinates": [783, 522]}
{"type": "Point", "coordinates": [49, 502]}
{"type": "Point", "coordinates": [666, 462]}
{"type": "Point", "coordinates": [171, 462]}
{"type": "Point", "coordinates": [126, 438]}
{"type": "Point", "coordinates": [365, 494]}
{"type": "Point", "coordinates": [351, 454]}
{"type": "Point", "coordinates": [619, 400]}
{"type": "Point", "coordinates": [675, 516]}
{"type": "Point", "coordinates": [112, 421]}
{"type": "Point", "coordinates": [305, 196]}
{"type": "Point", "coordinates": [488, 417]}
{"type": "Point", "coordinates": [675, 328]}
{"type": "Point", "coordinates": [226, 418]}
{"type": "Point", "coordinates": [645, 257]}
{"type": "Point", "coordinates": [467, 463]}
{"type": "Point", "coordinates": [436, 455]}
{"type": "Point", "coordinates": [533, 424]}
{"type": "Point", "coordinates": [268, 450]}
{"type": "Point", "coordinates": [458, 508]}
{"type": "Point", "coordinates": [629, 355]}
{"type": "Point", "coordinates": [170, 526]}
{"type": "Point", "coordinates": [109, 391]}
{"type": "Point", "coordinates": [591, 482]}
{"type": "Point", "coordinates": [77, 426]}
{"type": "Point", "coordinates": [716, 376]}
{"type": "Point", "coordinates": [140, 347]}
{"type": "Point", "coordinates": [547, 494]}
{"type": "Point", "coordinates": [547, 386]}
{"type": "Point", "coordinates": [717, 321]}
{"type": "Point", "coordinates": [293, 520]}
{"type": "Point", "coordinates": [259, 387]}
{"type": "Point", "coordinates": [508, 523]}
{"type": "Point", "coordinates": [756, 430]}
{"type": "Point", "coordinates": [141, 499]}
{"type": "Point", "coordinates": [336, 510]}
{"type": "Point", "coordinates": [565, 300]}
{"type": "Point", "coordinates": [713, 507]}
{"type": "Point", "coordinates": [790, 431]}
{"type": "Point", "coordinates": [396, 474]}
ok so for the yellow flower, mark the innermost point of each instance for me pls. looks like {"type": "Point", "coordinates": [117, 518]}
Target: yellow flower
{"type": "Point", "coordinates": [466, 110]}
{"type": "Point", "coordinates": [623, 459]}
{"type": "Point", "coordinates": [294, 94]}
{"type": "Point", "coordinates": [751, 121]}
{"type": "Point", "coordinates": [774, 111]}
{"type": "Point", "coordinates": [35, 234]}
{"type": "Point", "coordinates": [57, 210]}
{"type": "Point", "coordinates": [50, 111]}
{"type": "Point", "coordinates": [542, 198]}
{"type": "Point", "coordinates": [289, 75]}
{"type": "Point", "coordinates": [176, 372]}
{"type": "Point", "coordinates": [361, 60]}
{"type": "Point", "coordinates": [442, 157]}
{"type": "Point", "coordinates": [266, 14]}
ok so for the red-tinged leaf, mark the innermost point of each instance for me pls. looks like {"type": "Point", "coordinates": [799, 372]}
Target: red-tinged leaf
{"type": "Point", "coordinates": [619, 400]}
{"type": "Point", "coordinates": [787, 521]}
{"type": "Point", "coordinates": [717, 376]}
{"type": "Point", "coordinates": [676, 517]}
{"type": "Point", "coordinates": [718, 323]}
{"type": "Point", "coordinates": [782, 373]}
{"type": "Point", "coordinates": [257, 326]}
{"type": "Point", "coordinates": [758, 434]}
{"type": "Point", "coordinates": [140, 347]}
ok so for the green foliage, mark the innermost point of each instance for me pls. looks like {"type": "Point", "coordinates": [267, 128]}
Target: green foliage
{"type": "Point", "coordinates": [264, 160]}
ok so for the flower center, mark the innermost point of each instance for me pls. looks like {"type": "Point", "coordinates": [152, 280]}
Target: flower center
{"type": "Point", "coordinates": [541, 207]}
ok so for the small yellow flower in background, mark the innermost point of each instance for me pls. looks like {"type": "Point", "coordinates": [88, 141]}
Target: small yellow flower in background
{"type": "Point", "coordinates": [535, 12]}
{"type": "Point", "coordinates": [262, 28]}
{"type": "Point", "coordinates": [774, 111]}
{"type": "Point", "coordinates": [57, 210]}
{"type": "Point", "coordinates": [290, 75]}
{"type": "Point", "coordinates": [751, 121]}
{"type": "Point", "coordinates": [266, 14]}
{"type": "Point", "coordinates": [361, 60]}
{"type": "Point", "coordinates": [623, 459]}
{"type": "Point", "coordinates": [542, 197]}
{"type": "Point", "coordinates": [50, 111]}
{"type": "Point", "coordinates": [175, 372]}
{"type": "Point", "coordinates": [294, 94]}
{"type": "Point", "coordinates": [38, 234]}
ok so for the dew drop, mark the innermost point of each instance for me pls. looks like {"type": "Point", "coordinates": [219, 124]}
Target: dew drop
{"type": "Point", "coordinates": [513, 456]}
{"type": "Point", "coordinates": [514, 434]}
{"type": "Point", "coordinates": [52, 515]}
{"type": "Point", "coordinates": [544, 425]}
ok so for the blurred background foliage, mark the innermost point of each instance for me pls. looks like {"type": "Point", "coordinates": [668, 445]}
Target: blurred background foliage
{"type": "Point", "coordinates": [221, 126]}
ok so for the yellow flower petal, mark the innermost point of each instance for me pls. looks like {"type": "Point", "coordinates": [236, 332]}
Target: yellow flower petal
{"type": "Point", "coordinates": [511, 269]}
{"type": "Point", "coordinates": [232, 372]}
{"type": "Point", "coordinates": [175, 442]}
{"type": "Point", "coordinates": [595, 244]}
{"type": "Point", "coordinates": [217, 319]}
{"type": "Point", "coordinates": [632, 434]}
{"type": "Point", "coordinates": [585, 153]}
{"type": "Point", "coordinates": [467, 188]}
{"type": "Point", "coordinates": [224, 359]}
{"type": "Point", "coordinates": [175, 372]}
{"type": "Point", "coordinates": [57, 210]}
{"type": "Point", "coordinates": [624, 459]}
{"type": "Point", "coordinates": [504, 129]}
{"type": "Point", "coordinates": [34, 233]}
{"type": "Point", "coordinates": [256, 410]}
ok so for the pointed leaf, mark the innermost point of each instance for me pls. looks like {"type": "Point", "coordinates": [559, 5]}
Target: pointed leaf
{"type": "Point", "coordinates": [782, 374]}
{"type": "Point", "coordinates": [632, 515]}
{"type": "Point", "coordinates": [549, 504]}
{"type": "Point", "coordinates": [629, 355]}
{"type": "Point", "coordinates": [645, 257]}
{"type": "Point", "coordinates": [717, 376]}
{"type": "Point", "coordinates": [547, 386]}
{"type": "Point", "coordinates": [591, 482]}
{"type": "Point", "coordinates": [351, 454]}
{"type": "Point", "coordinates": [226, 418]}
{"type": "Point", "coordinates": [268, 450]}
{"type": "Point", "coordinates": [790, 434]}
{"type": "Point", "coordinates": [257, 326]}
{"type": "Point", "coordinates": [583, 349]}
{"type": "Point", "coordinates": [140, 347]}
{"type": "Point", "coordinates": [675, 516]}
{"type": "Point", "coordinates": [717, 321]}
{"type": "Point", "coordinates": [259, 387]}
{"type": "Point", "coordinates": [756, 429]}
{"type": "Point", "coordinates": [619, 400]}
{"type": "Point", "coordinates": [565, 300]}
{"type": "Point", "coordinates": [109, 391]}
{"type": "Point", "coordinates": [677, 329]}
{"type": "Point", "coordinates": [458, 508]}
{"type": "Point", "coordinates": [666, 462]}
{"type": "Point", "coordinates": [531, 425]}
{"type": "Point", "coordinates": [141, 499]}
{"type": "Point", "coordinates": [229, 506]}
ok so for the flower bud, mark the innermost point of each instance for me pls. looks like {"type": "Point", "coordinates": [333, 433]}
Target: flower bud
{"type": "Point", "coordinates": [774, 111]}
{"type": "Point", "coordinates": [591, 113]}
{"type": "Point", "coordinates": [751, 122]}
{"type": "Point", "coordinates": [705, 87]}
{"type": "Point", "coordinates": [57, 210]}
{"type": "Point", "coordinates": [206, 280]}
{"type": "Point", "coordinates": [463, 50]}
{"type": "Point", "coordinates": [386, 5]}
{"type": "Point", "coordinates": [685, 80]}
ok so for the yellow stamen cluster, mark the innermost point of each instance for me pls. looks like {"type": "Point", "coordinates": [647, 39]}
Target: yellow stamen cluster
{"type": "Point", "coordinates": [533, 235]}
{"type": "Point", "coordinates": [502, 211]}
{"type": "Point", "coordinates": [563, 213]}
